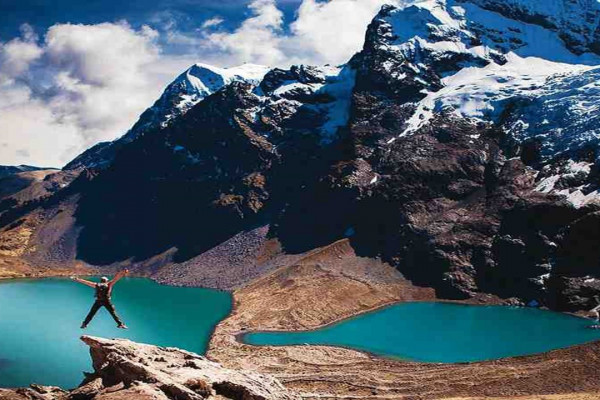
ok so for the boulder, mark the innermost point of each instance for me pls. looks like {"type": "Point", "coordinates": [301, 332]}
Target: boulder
{"type": "Point", "coordinates": [127, 370]}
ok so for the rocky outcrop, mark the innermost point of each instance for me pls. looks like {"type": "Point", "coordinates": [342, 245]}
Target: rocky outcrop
{"type": "Point", "coordinates": [127, 370]}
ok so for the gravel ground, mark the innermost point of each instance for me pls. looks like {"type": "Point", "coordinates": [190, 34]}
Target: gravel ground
{"type": "Point", "coordinates": [229, 265]}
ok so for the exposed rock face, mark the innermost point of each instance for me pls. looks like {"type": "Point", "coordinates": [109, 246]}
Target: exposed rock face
{"type": "Point", "coordinates": [127, 370]}
{"type": "Point", "coordinates": [437, 191]}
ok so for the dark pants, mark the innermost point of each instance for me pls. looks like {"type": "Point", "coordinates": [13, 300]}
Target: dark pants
{"type": "Point", "coordinates": [106, 303]}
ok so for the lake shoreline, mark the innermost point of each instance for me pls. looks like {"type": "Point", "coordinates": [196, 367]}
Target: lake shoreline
{"type": "Point", "coordinates": [335, 284]}
{"type": "Point", "coordinates": [475, 301]}
{"type": "Point", "coordinates": [508, 315]}
{"type": "Point", "coordinates": [56, 306]}
{"type": "Point", "coordinates": [332, 284]}
{"type": "Point", "coordinates": [377, 308]}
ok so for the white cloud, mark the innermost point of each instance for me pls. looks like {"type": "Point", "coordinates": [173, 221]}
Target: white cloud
{"type": "Point", "coordinates": [101, 55]}
{"type": "Point", "coordinates": [101, 84]}
{"type": "Point", "coordinates": [32, 135]}
{"type": "Point", "coordinates": [257, 40]}
{"type": "Point", "coordinates": [209, 23]}
{"type": "Point", "coordinates": [331, 32]}
{"type": "Point", "coordinates": [83, 84]}
{"type": "Point", "coordinates": [323, 32]}
{"type": "Point", "coordinates": [17, 54]}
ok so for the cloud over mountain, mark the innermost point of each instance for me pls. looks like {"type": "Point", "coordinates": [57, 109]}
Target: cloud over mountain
{"type": "Point", "coordinates": [78, 84]}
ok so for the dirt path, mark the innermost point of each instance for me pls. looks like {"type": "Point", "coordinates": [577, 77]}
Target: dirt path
{"type": "Point", "coordinates": [333, 283]}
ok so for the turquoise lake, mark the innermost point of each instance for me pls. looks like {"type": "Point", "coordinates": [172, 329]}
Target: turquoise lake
{"type": "Point", "coordinates": [444, 332]}
{"type": "Point", "coordinates": [40, 319]}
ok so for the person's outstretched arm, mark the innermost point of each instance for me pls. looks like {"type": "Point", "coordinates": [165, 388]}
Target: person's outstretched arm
{"type": "Point", "coordinates": [87, 283]}
{"type": "Point", "coordinates": [118, 276]}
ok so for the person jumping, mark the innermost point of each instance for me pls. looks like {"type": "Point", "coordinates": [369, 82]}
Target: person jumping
{"type": "Point", "coordinates": [103, 292]}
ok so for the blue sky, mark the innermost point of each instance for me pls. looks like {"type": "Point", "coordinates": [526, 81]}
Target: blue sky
{"type": "Point", "coordinates": [189, 14]}
{"type": "Point", "coordinates": [74, 73]}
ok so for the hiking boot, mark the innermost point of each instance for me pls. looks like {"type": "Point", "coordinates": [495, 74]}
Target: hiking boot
{"type": "Point", "coordinates": [122, 326]}
{"type": "Point", "coordinates": [83, 326]}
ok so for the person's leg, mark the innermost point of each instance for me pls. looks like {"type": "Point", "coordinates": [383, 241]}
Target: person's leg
{"type": "Point", "coordinates": [111, 309]}
{"type": "Point", "coordinates": [95, 307]}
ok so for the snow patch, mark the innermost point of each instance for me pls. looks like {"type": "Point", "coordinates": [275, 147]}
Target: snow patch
{"type": "Point", "coordinates": [339, 85]}
{"type": "Point", "coordinates": [546, 185]}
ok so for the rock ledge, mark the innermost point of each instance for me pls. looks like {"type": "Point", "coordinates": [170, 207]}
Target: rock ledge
{"type": "Point", "coordinates": [127, 370]}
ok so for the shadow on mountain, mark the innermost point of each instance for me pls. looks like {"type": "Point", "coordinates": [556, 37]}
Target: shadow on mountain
{"type": "Point", "coordinates": [127, 214]}
{"type": "Point", "coordinates": [153, 197]}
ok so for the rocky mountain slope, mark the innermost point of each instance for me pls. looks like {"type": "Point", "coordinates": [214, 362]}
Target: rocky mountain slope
{"type": "Point", "coordinates": [128, 370]}
{"type": "Point", "coordinates": [460, 146]}
{"type": "Point", "coordinates": [15, 179]}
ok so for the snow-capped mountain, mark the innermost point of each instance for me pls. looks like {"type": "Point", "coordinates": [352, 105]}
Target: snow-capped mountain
{"type": "Point", "coordinates": [189, 88]}
{"type": "Point", "coordinates": [528, 66]}
{"type": "Point", "coordinates": [469, 57]}
{"type": "Point", "coordinates": [193, 85]}
{"type": "Point", "coordinates": [474, 61]}
{"type": "Point", "coordinates": [459, 145]}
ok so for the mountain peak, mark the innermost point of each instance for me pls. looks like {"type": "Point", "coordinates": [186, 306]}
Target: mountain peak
{"type": "Point", "coordinates": [203, 79]}
{"type": "Point", "coordinates": [475, 57]}
{"type": "Point", "coordinates": [188, 89]}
